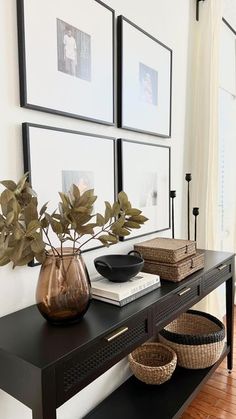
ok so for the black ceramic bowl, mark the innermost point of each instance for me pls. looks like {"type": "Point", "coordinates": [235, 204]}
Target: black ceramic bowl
{"type": "Point", "coordinates": [119, 268]}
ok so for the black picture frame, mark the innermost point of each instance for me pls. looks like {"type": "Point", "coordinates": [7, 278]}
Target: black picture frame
{"type": "Point", "coordinates": [29, 96]}
{"type": "Point", "coordinates": [32, 158]}
{"type": "Point", "coordinates": [132, 177]}
{"type": "Point", "coordinates": [229, 26]}
{"type": "Point", "coordinates": [133, 103]}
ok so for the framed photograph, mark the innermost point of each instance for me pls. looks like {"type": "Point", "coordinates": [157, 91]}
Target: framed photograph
{"type": "Point", "coordinates": [57, 158]}
{"type": "Point", "coordinates": [144, 81]}
{"type": "Point", "coordinates": [144, 174]}
{"type": "Point", "coordinates": [66, 57]}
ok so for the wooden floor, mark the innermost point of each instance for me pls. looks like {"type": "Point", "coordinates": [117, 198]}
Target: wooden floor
{"type": "Point", "coordinates": [218, 397]}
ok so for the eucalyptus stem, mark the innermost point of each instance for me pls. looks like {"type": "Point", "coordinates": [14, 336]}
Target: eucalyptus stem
{"type": "Point", "coordinates": [54, 250]}
{"type": "Point", "coordinates": [46, 244]}
{"type": "Point", "coordinates": [95, 235]}
{"type": "Point", "coordinates": [74, 241]}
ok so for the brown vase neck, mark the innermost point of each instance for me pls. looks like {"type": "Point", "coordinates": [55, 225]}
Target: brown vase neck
{"type": "Point", "coordinates": [67, 252]}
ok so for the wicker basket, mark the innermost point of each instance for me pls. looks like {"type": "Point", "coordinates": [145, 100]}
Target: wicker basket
{"type": "Point", "coordinates": [196, 337]}
{"type": "Point", "coordinates": [166, 250]}
{"type": "Point", "coordinates": [153, 363]}
{"type": "Point", "coordinates": [175, 272]}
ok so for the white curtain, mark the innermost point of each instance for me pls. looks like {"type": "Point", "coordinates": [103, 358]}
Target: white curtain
{"type": "Point", "coordinates": [203, 135]}
{"type": "Point", "coordinates": [227, 183]}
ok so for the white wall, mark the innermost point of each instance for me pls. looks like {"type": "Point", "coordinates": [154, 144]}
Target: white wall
{"type": "Point", "coordinates": [230, 12]}
{"type": "Point", "coordinates": [168, 21]}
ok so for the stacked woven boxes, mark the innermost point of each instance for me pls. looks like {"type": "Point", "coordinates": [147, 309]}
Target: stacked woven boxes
{"type": "Point", "coordinates": [172, 259]}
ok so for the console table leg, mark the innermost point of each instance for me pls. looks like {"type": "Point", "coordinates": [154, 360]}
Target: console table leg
{"type": "Point", "coordinates": [44, 414]}
{"type": "Point", "coordinates": [230, 319]}
{"type": "Point", "coordinates": [44, 406]}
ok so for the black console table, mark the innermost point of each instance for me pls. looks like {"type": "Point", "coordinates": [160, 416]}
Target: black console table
{"type": "Point", "coordinates": [43, 366]}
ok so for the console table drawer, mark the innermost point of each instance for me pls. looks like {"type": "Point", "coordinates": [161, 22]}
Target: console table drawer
{"type": "Point", "coordinates": [84, 366]}
{"type": "Point", "coordinates": [184, 297]}
{"type": "Point", "coordinates": [217, 275]}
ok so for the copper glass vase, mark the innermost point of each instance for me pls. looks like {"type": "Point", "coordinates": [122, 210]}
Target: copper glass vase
{"type": "Point", "coordinates": [63, 290]}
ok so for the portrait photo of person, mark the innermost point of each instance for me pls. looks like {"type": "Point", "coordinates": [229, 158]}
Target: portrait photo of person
{"type": "Point", "coordinates": [148, 82]}
{"type": "Point", "coordinates": [70, 52]}
{"type": "Point", "coordinates": [73, 51]}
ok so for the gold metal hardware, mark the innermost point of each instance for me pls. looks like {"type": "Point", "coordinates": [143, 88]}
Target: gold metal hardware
{"type": "Point", "coordinates": [184, 291]}
{"type": "Point", "coordinates": [221, 267]}
{"type": "Point", "coordinates": [117, 333]}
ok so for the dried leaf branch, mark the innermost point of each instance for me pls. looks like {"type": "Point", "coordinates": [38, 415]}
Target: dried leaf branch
{"type": "Point", "coordinates": [25, 231]}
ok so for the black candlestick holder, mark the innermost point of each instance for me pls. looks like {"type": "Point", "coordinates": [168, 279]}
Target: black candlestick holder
{"type": "Point", "coordinates": [172, 196]}
{"type": "Point", "coordinates": [188, 178]}
{"type": "Point", "coordinates": [195, 213]}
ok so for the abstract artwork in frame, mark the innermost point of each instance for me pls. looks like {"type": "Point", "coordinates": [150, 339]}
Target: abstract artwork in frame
{"type": "Point", "coordinates": [144, 81]}
{"type": "Point", "coordinates": [57, 158]}
{"type": "Point", "coordinates": [144, 174]}
{"type": "Point", "coordinates": [66, 58]}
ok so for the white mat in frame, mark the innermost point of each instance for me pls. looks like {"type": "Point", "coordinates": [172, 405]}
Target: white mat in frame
{"type": "Point", "coordinates": [57, 157]}
{"type": "Point", "coordinates": [66, 58]}
{"type": "Point", "coordinates": [144, 174]}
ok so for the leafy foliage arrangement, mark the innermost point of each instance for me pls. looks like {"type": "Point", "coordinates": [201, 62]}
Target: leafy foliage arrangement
{"type": "Point", "coordinates": [25, 231]}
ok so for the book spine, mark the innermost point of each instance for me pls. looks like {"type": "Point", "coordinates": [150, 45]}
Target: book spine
{"type": "Point", "coordinates": [139, 294]}
{"type": "Point", "coordinates": [139, 288]}
{"type": "Point", "coordinates": [106, 300]}
{"type": "Point", "coordinates": [128, 299]}
{"type": "Point", "coordinates": [116, 296]}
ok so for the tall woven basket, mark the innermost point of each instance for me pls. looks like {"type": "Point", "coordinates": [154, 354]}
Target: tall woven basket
{"type": "Point", "coordinates": [196, 337]}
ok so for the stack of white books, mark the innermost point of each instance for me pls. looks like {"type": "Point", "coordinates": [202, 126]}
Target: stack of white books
{"type": "Point", "coordinates": [121, 293]}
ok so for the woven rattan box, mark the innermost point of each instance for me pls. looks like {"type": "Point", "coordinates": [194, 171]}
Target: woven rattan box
{"type": "Point", "coordinates": [166, 250]}
{"type": "Point", "coordinates": [175, 272]}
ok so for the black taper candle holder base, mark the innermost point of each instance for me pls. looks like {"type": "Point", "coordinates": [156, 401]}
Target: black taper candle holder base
{"type": "Point", "coordinates": [195, 213]}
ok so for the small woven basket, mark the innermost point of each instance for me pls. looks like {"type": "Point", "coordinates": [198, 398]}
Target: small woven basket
{"type": "Point", "coordinates": [153, 363]}
{"type": "Point", "coordinates": [196, 337]}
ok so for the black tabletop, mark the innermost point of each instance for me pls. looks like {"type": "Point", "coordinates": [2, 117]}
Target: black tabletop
{"type": "Point", "coordinates": [27, 335]}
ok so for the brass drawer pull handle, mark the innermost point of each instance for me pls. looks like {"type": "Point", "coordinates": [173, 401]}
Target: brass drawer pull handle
{"type": "Point", "coordinates": [221, 267]}
{"type": "Point", "coordinates": [184, 291]}
{"type": "Point", "coordinates": [117, 333]}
